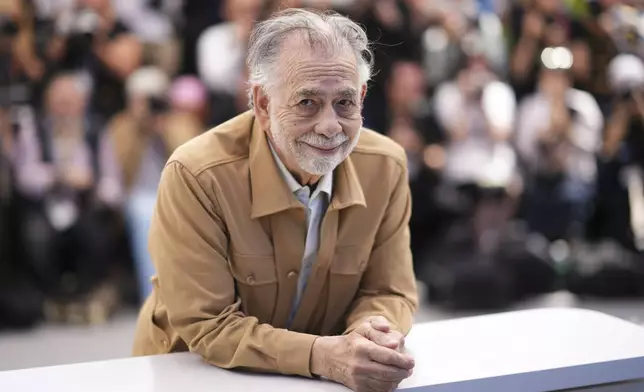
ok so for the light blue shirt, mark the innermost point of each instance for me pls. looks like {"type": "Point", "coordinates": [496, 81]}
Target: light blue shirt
{"type": "Point", "coordinates": [316, 205]}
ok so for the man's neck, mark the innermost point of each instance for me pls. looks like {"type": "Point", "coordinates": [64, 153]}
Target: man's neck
{"type": "Point", "coordinates": [307, 180]}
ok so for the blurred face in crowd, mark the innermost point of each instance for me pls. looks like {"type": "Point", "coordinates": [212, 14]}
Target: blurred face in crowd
{"type": "Point", "coordinates": [313, 112]}
{"type": "Point", "coordinates": [10, 8]}
{"type": "Point", "coordinates": [473, 78]}
{"type": "Point", "coordinates": [548, 6]}
{"type": "Point", "coordinates": [406, 85]}
{"type": "Point", "coordinates": [243, 10]}
{"type": "Point", "coordinates": [97, 5]}
{"type": "Point", "coordinates": [138, 106]}
{"type": "Point", "coordinates": [66, 99]}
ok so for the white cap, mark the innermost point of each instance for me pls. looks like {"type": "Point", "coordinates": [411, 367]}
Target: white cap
{"type": "Point", "coordinates": [148, 81]}
{"type": "Point", "coordinates": [625, 72]}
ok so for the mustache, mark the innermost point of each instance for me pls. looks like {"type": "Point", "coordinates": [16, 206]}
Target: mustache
{"type": "Point", "coordinates": [317, 140]}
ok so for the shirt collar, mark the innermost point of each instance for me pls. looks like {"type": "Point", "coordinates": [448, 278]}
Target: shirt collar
{"type": "Point", "coordinates": [325, 184]}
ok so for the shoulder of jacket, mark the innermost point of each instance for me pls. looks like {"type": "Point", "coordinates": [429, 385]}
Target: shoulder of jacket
{"type": "Point", "coordinates": [373, 145]}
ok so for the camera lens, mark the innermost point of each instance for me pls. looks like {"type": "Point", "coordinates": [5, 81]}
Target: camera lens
{"type": "Point", "coordinates": [8, 28]}
{"type": "Point", "coordinates": [158, 105]}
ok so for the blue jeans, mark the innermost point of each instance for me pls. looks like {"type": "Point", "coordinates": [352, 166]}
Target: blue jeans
{"type": "Point", "coordinates": [138, 213]}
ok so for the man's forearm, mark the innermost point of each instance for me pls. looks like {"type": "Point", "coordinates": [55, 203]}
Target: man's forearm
{"type": "Point", "coordinates": [242, 342]}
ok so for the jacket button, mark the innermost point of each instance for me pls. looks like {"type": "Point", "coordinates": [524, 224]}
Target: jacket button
{"type": "Point", "coordinates": [250, 279]}
{"type": "Point", "coordinates": [292, 274]}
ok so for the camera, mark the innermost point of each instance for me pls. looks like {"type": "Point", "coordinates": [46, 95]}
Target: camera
{"type": "Point", "coordinates": [80, 28]}
{"type": "Point", "coordinates": [158, 105]}
{"type": "Point", "coordinates": [8, 27]}
{"type": "Point", "coordinates": [624, 95]}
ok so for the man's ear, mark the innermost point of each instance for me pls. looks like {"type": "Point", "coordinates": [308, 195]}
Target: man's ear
{"type": "Point", "coordinates": [363, 94]}
{"type": "Point", "coordinates": [260, 107]}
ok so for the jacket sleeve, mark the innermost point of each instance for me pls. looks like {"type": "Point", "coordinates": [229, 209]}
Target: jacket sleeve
{"type": "Point", "coordinates": [388, 287]}
{"type": "Point", "coordinates": [189, 245]}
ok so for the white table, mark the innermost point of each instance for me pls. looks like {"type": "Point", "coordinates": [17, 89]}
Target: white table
{"type": "Point", "coordinates": [526, 351]}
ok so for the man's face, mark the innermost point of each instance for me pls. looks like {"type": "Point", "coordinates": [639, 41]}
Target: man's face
{"type": "Point", "coordinates": [315, 107]}
{"type": "Point", "coordinates": [244, 10]}
{"type": "Point", "coordinates": [97, 5]}
{"type": "Point", "coordinates": [407, 84]}
{"type": "Point", "coordinates": [65, 99]}
{"type": "Point", "coordinates": [548, 6]}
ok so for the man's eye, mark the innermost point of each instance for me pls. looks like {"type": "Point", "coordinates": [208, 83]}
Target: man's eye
{"type": "Point", "coordinates": [346, 103]}
{"type": "Point", "coordinates": [307, 103]}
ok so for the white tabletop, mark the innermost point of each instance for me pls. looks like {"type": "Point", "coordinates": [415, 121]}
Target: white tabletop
{"type": "Point", "coordinates": [533, 350]}
{"type": "Point", "coordinates": [527, 351]}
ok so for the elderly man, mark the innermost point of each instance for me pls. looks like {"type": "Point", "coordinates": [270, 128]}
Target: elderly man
{"type": "Point", "coordinates": [280, 238]}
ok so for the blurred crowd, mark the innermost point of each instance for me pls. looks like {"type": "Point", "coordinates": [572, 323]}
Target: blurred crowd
{"type": "Point", "coordinates": [522, 121]}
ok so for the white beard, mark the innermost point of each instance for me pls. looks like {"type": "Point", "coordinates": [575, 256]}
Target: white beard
{"type": "Point", "coordinates": [306, 158]}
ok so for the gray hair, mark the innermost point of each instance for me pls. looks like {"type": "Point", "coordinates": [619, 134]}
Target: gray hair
{"type": "Point", "coordinates": [330, 29]}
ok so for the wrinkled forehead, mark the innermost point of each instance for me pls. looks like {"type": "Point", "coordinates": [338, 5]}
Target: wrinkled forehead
{"type": "Point", "coordinates": [310, 64]}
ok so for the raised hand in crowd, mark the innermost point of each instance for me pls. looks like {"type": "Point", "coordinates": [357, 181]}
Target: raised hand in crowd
{"type": "Point", "coordinates": [533, 26]}
{"type": "Point", "coordinates": [76, 177]}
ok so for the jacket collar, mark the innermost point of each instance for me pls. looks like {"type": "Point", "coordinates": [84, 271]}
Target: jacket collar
{"type": "Point", "coordinates": [270, 192]}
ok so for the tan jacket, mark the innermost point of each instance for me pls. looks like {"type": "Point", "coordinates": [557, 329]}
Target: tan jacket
{"type": "Point", "coordinates": [227, 239]}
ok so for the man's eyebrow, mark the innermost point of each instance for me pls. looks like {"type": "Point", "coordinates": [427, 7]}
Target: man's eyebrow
{"type": "Point", "coordinates": [348, 92]}
{"type": "Point", "coordinates": [308, 92]}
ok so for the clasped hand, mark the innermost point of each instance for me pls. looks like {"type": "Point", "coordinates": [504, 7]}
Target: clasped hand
{"type": "Point", "coordinates": [370, 359]}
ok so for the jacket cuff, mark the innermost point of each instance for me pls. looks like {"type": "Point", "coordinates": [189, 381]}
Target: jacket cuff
{"type": "Point", "coordinates": [295, 353]}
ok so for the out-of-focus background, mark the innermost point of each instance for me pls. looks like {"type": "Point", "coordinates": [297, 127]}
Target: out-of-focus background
{"type": "Point", "coordinates": [523, 123]}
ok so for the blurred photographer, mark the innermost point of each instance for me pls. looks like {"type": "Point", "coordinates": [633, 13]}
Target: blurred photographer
{"type": "Point", "coordinates": [10, 13]}
{"type": "Point", "coordinates": [558, 135]}
{"type": "Point", "coordinates": [477, 111]}
{"type": "Point", "coordinates": [622, 155]}
{"type": "Point", "coordinates": [221, 51]}
{"type": "Point", "coordinates": [70, 186]}
{"type": "Point", "coordinates": [91, 38]}
{"type": "Point", "coordinates": [20, 300]}
{"type": "Point", "coordinates": [155, 24]}
{"type": "Point", "coordinates": [144, 135]}
{"type": "Point", "coordinates": [625, 125]}
{"type": "Point", "coordinates": [623, 22]}
{"type": "Point", "coordinates": [408, 120]}
{"type": "Point", "coordinates": [536, 25]}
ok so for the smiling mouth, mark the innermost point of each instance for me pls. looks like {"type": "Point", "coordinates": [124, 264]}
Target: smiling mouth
{"type": "Point", "coordinates": [324, 148]}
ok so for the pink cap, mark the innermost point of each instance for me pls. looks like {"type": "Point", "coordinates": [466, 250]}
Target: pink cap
{"type": "Point", "coordinates": [188, 91]}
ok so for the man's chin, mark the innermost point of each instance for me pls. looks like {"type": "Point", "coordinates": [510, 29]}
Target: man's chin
{"type": "Point", "coordinates": [321, 167]}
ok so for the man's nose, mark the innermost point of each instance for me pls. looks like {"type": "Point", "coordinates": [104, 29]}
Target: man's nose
{"type": "Point", "coordinates": [328, 124]}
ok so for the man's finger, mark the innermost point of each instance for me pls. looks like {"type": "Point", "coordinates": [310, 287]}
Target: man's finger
{"type": "Point", "coordinates": [380, 386]}
{"type": "Point", "coordinates": [380, 323]}
{"type": "Point", "coordinates": [387, 356]}
{"type": "Point", "coordinates": [382, 338]}
{"type": "Point", "coordinates": [386, 373]}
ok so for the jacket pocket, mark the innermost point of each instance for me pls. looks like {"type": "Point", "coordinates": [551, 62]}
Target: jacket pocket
{"type": "Point", "coordinates": [256, 284]}
{"type": "Point", "coordinates": [346, 272]}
